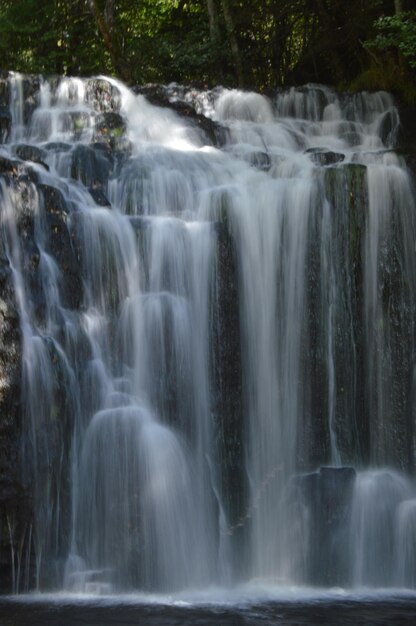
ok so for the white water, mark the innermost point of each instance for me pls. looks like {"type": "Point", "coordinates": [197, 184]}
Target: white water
{"type": "Point", "coordinates": [123, 444]}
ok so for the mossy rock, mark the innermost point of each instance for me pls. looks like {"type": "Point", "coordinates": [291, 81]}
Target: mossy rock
{"type": "Point", "coordinates": [110, 128]}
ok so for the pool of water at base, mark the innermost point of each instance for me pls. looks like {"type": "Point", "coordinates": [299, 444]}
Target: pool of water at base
{"type": "Point", "coordinates": [335, 608]}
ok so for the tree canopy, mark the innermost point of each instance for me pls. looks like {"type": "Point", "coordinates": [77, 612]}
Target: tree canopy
{"type": "Point", "coordinates": [250, 43]}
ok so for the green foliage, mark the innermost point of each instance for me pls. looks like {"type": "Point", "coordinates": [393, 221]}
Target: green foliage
{"type": "Point", "coordinates": [397, 32]}
{"type": "Point", "coordinates": [279, 42]}
{"type": "Point", "coordinates": [52, 36]}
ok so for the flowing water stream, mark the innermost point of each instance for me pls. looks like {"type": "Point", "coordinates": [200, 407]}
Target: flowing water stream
{"type": "Point", "coordinates": [239, 317]}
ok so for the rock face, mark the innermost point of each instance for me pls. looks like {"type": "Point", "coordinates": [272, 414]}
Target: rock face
{"type": "Point", "coordinates": [227, 388]}
{"type": "Point", "coordinates": [25, 195]}
{"type": "Point", "coordinates": [15, 502]}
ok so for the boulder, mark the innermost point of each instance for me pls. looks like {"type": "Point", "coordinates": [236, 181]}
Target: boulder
{"type": "Point", "coordinates": [102, 95]}
{"type": "Point", "coordinates": [323, 157]}
{"type": "Point", "coordinates": [91, 165]}
{"type": "Point", "coordinates": [31, 153]}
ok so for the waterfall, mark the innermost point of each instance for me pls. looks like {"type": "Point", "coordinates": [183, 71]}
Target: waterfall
{"type": "Point", "coordinates": [216, 329]}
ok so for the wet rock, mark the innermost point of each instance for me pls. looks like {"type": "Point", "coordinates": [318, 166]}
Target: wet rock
{"type": "Point", "coordinates": [10, 347]}
{"type": "Point", "coordinates": [259, 160]}
{"type": "Point", "coordinates": [91, 165]}
{"type": "Point", "coordinates": [31, 153]}
{"type": "Point", "coordinates": [323, 157]}
{"type": "Point", "coordinates": [154, 93]}
{"type": "Point", "coordinates": [23, 194]}
{"type": "Point", "coordinates": [347, 193]}
{"type": "Point", "coordinates": [28, 91]}
{"type": "Point", "coordinates": [227, 389]}
{"type": "Point", "coordinates": [75, 122]}
{"type": "Point", "coordinates": [158, 95]}
{"type": "Point", "coordinates": [26, 194]}
{"type": "Point", "coordinates": [59, 244]}
{"type": "Point", "coordinates": [15, 505]}
{"type": "Point", "coordinates": [110, 129]}
{"type": "Point", "coordinates": [102, 95]}
{"type": "Point", "coordinates": [388, 127]}
{"type": "Point", "coordinates": [11, 168]}
{"type": "Point", "coordinates": [99, 197]}
{"type": "Point", "coordinates": [141, 226]}
{"type": "Point", "coordinates": [5, 124]}
{"type": "Point", "coordinates": [31, 96]}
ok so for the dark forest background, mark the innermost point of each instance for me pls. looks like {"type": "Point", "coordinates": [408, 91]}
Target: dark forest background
{"type": "Point", "coordinates": [262, 44]}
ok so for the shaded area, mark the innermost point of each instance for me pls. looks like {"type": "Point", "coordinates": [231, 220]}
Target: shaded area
{"type": "Point", "coordinates": [322, 613]}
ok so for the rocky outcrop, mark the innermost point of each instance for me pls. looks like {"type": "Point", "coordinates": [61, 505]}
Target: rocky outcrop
{"type": "Point", "coordinates": [28, 198]}
{"type": "Point", "coordinates": [15, 502]}
{"type": "Point", "coordinates": [158, 95]}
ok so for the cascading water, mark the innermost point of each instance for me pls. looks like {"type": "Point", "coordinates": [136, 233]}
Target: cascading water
{"type": "Point", "coordinates": [202, 327]}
